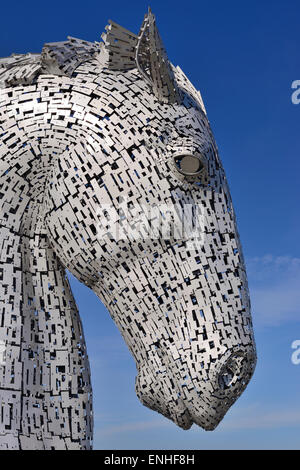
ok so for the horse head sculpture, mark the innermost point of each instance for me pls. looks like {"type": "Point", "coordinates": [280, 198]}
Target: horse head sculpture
{"type": "Point", "coordinates": [106, 157]}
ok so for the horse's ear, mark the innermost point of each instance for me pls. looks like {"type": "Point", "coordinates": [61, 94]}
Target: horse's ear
{"type": "Point", "coordinates": [118, 48]}
{"type": "Point", "coordinates": [153, 63]}
{"type": "Point", "coordinates": [123, 50]}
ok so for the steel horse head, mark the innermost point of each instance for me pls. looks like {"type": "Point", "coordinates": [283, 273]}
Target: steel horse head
{"type": "Point", "coordinates": [109, 169]}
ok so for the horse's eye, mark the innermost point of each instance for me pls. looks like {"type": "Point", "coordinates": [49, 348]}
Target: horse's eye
{"type": "Point", "coordinates": [189, 165]}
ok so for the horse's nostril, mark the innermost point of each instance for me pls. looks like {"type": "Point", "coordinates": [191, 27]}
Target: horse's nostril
{"type": "Point", "coordinates": [226, 378]}
{"type": "Point", "coordinates": [235, 373]}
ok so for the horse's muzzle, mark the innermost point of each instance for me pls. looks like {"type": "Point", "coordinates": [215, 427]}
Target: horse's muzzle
{"type": "Point", "coordinates": [201, 400]}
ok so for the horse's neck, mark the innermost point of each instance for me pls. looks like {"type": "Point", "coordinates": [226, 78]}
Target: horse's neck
{"type": "Point", "coordinates": [28, 150]}
{"type": "Point", "coordinates": [33, 284]}
{"type": "Point", "coordinates": [39, 324]}
{"type": "Point", "coordinates": [24, 249]}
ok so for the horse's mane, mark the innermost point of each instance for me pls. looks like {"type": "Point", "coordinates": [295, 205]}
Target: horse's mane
{"type": "Point", "coordinates": [116, 52]}
{"type": "Point", "coordinates": [62, 58]}
{"type": "Point", "coordinates": [57, 58]}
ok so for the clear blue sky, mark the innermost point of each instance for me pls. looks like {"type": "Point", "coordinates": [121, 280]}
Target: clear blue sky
{"type": "Point", "coordinates": [243, 56]}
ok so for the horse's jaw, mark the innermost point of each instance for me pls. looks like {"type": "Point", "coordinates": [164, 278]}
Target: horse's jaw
{"type": "Point", "coordinates": [171, 382]}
